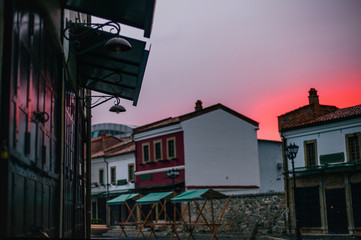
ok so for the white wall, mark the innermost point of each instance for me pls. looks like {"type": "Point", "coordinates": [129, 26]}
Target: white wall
{"type": "Point", "coordinates": [121, 163]}
{"type": "Point", "coordinates": [220, 149]}
{"type": "Point", "coordinates": [96, 164]}
{"type": "Point", "coordinates": [270, 163]}
{"type": "Point", "coordinates": [330, 138]}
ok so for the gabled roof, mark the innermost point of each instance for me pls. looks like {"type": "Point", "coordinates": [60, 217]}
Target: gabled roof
{"type": "Point", "coordinates": [161, 123]}
{"type": "Point", "coordinates": [170, 120]}
{"type": "Point", "coordinates": [303, 108]}
{"type": "Point", "coordinates": [108, 145]}
{"type": "Point", "coordinates": [103, 142]}
{"type": "Point", "coordinates": [338, 115]}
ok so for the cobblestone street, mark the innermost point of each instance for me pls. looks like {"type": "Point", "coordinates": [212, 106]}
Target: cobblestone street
{"type": "Point", "coordinates": [165, 235]}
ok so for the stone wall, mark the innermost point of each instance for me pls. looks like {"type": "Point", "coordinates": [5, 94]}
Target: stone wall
{"type": "Point", "coordinates": [249, 214]}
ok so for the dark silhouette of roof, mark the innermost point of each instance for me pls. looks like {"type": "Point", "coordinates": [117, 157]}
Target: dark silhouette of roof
{"type": "Point", "coordinates": [338, 115]}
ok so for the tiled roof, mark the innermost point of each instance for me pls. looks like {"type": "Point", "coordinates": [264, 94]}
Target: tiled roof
{"type": "Point", "coordinates": [126, 148]}
{"type": "Point", "coordinates": [329, 107]}
{"type": "Point", "coordinates": [161, 123]}
{"type": "Point", "coordinates": [170, 121]}
{"type": "Point", "coordinates": [104, 142]}
{"type": "Point", "coordinates": [338, 115]}
{"type": "Point", "coordinates": [108, 145]}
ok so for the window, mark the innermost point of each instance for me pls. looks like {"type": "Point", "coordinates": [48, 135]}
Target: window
{"type": "Point", "coordinates": [145, 152]}
{"type": "Point", "coordinates": [353, 147]}
{"type": "Point", "coordinates": [131, 172]}
{"type": "Point", "coordinates": [171, 152]}
{"type": "Point", "coordinates": [113, 176]}
{"type": "Point", "coordinates": [310, 153]}
{"type": "Point", "coordinates": [157, 150]}
{"type": "Point", "coordinates": [101, 176]}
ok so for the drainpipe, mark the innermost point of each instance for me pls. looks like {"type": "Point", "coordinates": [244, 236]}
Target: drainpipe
{"type": "Point", "coordinates": [107, 215]}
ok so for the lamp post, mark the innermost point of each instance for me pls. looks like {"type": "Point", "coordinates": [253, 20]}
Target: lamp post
{"type": "Point", "coordinates": [291, 152]}
{"type": "Point", "coordinates": [172, 173]}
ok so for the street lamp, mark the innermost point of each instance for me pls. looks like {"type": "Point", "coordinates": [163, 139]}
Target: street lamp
{"type": "Point", "coordinates": [172, 173]}
{"type": "Point", "coordinates": [291, 152]}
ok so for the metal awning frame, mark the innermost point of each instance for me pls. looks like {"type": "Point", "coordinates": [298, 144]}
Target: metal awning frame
{"type": "Point", "coordinates": [119, 75]}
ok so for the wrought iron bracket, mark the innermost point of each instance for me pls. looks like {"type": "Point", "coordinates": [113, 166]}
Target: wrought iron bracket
{"type": "Point", "coordinates": [75, 31]}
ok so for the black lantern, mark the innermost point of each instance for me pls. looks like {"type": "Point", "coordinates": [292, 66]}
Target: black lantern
{"type": "Point", "coordinates": [172, 173]}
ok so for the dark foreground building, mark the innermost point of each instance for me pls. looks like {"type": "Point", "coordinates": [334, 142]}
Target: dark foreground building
{"type": "Point", "coordinates": [49, 58]}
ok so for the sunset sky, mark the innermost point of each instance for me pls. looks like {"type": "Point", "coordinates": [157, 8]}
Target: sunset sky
{"type": "Point", "coordinates": [257, 57]}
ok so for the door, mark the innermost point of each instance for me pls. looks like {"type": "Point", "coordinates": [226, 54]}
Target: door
{"type": "Point", "coordinates": [356, 203]}
{"type": "Point", "coordinates": [32, 133]}
{"type": "Point", "coordinates": [336, 211]}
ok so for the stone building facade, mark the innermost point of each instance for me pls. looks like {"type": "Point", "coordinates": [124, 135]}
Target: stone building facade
{"type": "Point", "coordinates": [249, 214]}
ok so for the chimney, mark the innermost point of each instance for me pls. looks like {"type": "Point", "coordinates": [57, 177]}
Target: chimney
{"type": "Point", "coordinates": [103, 135]}
{"type": "Point", "coordinates": [198, 105]}
{"type": "Point", "coordinates": [313, 97]}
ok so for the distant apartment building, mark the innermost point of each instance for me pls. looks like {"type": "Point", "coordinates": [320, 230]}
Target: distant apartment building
{"type": "Point", "coordinates": [327, 167]}
{"type": "Point", "coordinates": [117, 130]}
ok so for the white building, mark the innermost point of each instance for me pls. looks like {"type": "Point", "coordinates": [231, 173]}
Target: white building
{"type": "Point", "coordinates": [220, 150]}
{"type": "Point", "coordinates": [112, 172]}
{"type": "Point", "coordinates": [215, 147]}
{"type": "Point", "coordinates": [270, 165]}
{"type": "Point", "coordinates": [327, 168]}
{"type": "Point", "coordinates": [118, 130]}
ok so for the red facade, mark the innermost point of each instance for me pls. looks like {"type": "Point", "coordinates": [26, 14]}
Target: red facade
{"type": "Point", "coordinates": [149, 173]}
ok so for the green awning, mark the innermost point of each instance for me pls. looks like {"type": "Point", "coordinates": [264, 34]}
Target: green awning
{"type": "Point", "coordinates": [153, 197]}
{"type": "Point", "coordinates": [98, 193]}
{"type": "Point", "coordinates": [137, 13]}
{"type": "Point", "coordinates": [121, 199]}
{"type": "Point", "coordinates": [190, 195]}
{"type": "Point", "coordinates": [333, 166]}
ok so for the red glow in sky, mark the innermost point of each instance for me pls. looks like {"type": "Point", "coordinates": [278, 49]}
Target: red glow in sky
{"type": "Point", "coordinates": [259, 58]}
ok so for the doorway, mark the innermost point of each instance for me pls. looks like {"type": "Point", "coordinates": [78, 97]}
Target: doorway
{"type": "Point", "coordinates": [336, 211]}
